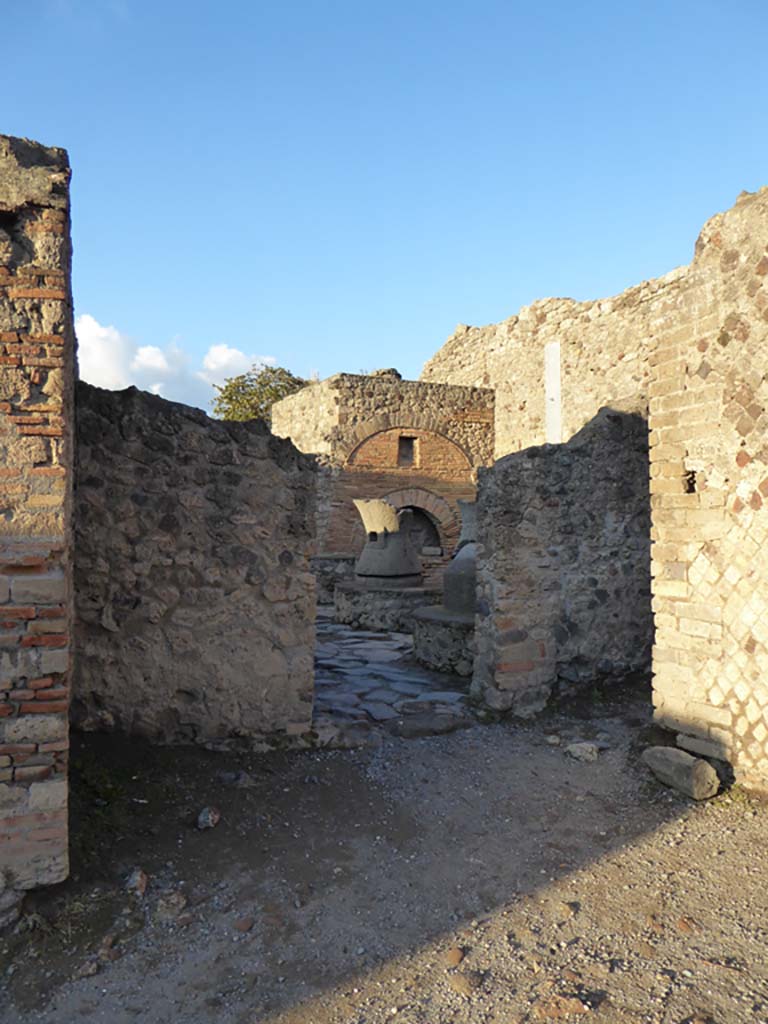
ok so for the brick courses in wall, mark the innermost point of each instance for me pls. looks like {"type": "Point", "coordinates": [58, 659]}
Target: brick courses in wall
{"type": "Point", "coordinates": [691, 346]}
{"type": "Point", "coordinates": [355, 424]}
{"type": "Point", "coordinates": [564, 567]}
{"type": "Point", "coordinates": [194, 597]}
{"type": "Point", "coordinates": [709, 486]}
{"type": "Point", "coordinates": [36, 421]}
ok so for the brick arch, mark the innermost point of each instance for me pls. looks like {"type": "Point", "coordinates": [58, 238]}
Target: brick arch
{"type": "Point", "coordinates": [380, 452]}
{"type": "Point", "coordinates": [348, 445]}
{"type": "Point", "coordinates": [437, 508]}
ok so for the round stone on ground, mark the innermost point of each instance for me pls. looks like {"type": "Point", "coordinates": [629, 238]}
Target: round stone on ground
{"type": "Point", "coordinates": [453, 957]}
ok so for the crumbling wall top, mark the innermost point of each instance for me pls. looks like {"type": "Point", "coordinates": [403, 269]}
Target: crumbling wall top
{"type": "Point", "coordinates": [32, 174]}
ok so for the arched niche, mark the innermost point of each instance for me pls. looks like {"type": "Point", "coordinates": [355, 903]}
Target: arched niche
{"type": "Point", "coordinates": [410, 449]}
{"type": "Point", "coordinates": [436, 510]}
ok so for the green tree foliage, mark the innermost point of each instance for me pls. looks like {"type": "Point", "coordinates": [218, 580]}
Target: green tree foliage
{"type": "Point", "coordinates": [251, 395]}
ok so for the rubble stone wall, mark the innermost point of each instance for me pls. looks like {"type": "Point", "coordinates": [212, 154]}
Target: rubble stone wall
{"type": "Point", "coordinates": [379, 608]}
{"type": "Point", "coordinates": [692, 347]}
{"type": "Point", "coordinates": [330, 570]}
{"type": "Point", "coordinates": [604, 361]}
{"type": "Point", "coordinates": [332, 417]}
{"type": "Point", "coordinates": [195, 600]}
{"type": "Point", "coordinates": [709, 487]}
{"type": "Point", "coordinates": [309, 417]}
{"type": "Point", "coordinates": [564, 565]}
{"type": "Point", "coordinates": [37, 359]}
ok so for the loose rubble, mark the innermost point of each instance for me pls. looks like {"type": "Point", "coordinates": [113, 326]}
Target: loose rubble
{"type": "Point", "coordinates": [137, 882]}
{"type": "Point", "coordinates": [586, 752]}
{"type": "Point", "coordinates": [208, 818]}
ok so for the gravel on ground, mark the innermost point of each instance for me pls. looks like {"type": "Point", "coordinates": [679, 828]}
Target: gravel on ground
{"type": "Point", "coordinates": [486, 876]}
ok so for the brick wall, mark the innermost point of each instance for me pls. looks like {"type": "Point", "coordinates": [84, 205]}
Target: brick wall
{"type": "Point", "coordinates": [563, 566]}
{"type": "Point", "coordinates": [194, 597]}
{"type": "Point", "coordinates": [438, 498]}
{"type": "Point", "coordinates": [709, 485]}
{"type": "Point", "coordinates": [36, 374]}
{"type": "Point", "coordinates": [433, 454]}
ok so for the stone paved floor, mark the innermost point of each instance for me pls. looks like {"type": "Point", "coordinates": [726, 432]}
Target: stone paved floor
{"type": "Point", "coordinates": [369, 685]}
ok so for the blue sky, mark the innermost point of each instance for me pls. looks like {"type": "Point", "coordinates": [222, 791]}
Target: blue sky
{"type": "Point", "coordinates": [336, 185]}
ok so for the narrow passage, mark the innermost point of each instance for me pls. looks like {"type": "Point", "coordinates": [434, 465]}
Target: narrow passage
{"type": "Point", "coordinates": [369, 684]}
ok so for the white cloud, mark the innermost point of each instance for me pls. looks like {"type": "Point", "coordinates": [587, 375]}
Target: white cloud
{"type": "Point", "coordinates": [110, 359]}
{"type": "Point", "coordinates": [103, 353]}
{"type": "Point", "coordinates": [222, 361]}
{"type": "Point", "coordinates": [150, 357]}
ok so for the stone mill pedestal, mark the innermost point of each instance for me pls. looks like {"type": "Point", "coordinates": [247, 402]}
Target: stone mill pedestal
{"type": "Point", "coordinates": [388, 584]}
{"type": "Point", "coordinates": [443, 635]}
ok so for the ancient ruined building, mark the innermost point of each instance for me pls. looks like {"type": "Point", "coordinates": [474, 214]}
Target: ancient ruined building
{"type": "Point", "coordinates": [378, 436]}
{"type": "Point", "coordinates": [176, 602]}
{"type": "Point", "coordinates": [174, 595]}
{"type": "Point", "coordinates": [563, 577]}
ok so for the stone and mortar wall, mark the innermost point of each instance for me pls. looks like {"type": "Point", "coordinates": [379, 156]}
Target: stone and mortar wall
{"type": "Point", "coordinates": [709, 486]}
{"type": "Point", "coordinates": [330, 570]}
{"type": "Point", "coordinates": [332, 417]}
{"type": "Point", "coordinates": [693, 344]}
{"type": "Point", "coordinates": [443, 641]}
{"type": "Point", "coordinates": [379, 608]}
{"type": "Point", "coordinates": [195, 600]}
{"type": "Point", "coordinates": [563, 567]}
{"type": "Point", "coordinates": [37, 355]}
{"type": "Point", "coordinates": [309, 416]}
{"type": "Point", "coordinates": [354, 422]}
{"type": "Point", "coordinates": [604, 360]}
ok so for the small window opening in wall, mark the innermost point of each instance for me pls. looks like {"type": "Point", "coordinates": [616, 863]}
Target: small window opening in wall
{"type": "Point", "coordinates": [690, 481]}
{"type": "Point", "coordinates": [373, 535]}
{"type": "Point", "coordinates": [406, 451]}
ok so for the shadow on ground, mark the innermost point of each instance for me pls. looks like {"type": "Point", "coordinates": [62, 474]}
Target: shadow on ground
{"type": "Point", "coordinates": [336, 884]}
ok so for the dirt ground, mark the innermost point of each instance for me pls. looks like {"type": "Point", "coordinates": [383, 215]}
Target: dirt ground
{"type": "Point", "coordinates": [482, 876]}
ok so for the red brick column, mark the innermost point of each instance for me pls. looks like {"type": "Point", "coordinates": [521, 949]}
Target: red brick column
{"type": "Point", "coordinates": [36, 421]}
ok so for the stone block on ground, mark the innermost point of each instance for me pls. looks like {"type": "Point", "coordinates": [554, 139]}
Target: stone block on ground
{"type": "Point", "coordinates": [691, 775]}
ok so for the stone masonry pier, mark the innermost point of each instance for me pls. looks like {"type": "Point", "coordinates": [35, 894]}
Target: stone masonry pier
{"type": "Point", "coordinates": [37, 370]}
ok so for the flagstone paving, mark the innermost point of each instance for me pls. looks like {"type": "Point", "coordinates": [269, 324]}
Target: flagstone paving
{"type": "Point", "coordinates": [369, 685]}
